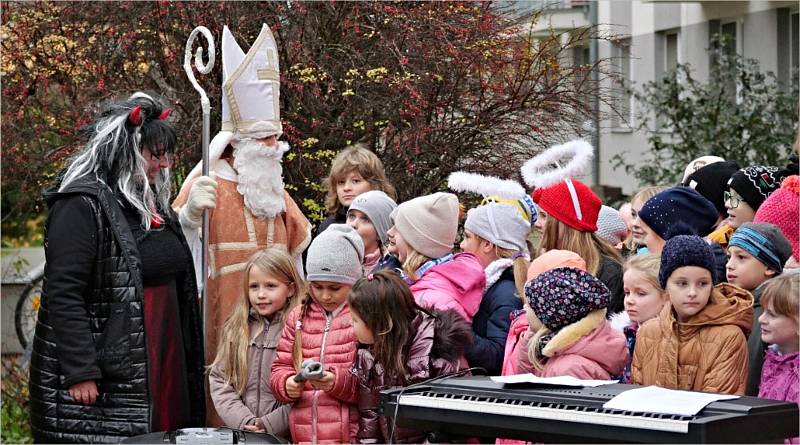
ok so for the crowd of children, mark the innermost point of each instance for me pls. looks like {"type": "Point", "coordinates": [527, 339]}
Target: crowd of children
{"type": "Point", "coordinates": [691, 287]}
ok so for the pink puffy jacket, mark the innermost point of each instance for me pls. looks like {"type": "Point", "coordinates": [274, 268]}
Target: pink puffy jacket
{"type": "Point", "coordinates": [320, 416]}
{"type": "Point", "coordinates": [587, 349]}
{"type": "Point", "coordinates": [515, 332]}
{"type": "Point", "coordinates": [457, 284]}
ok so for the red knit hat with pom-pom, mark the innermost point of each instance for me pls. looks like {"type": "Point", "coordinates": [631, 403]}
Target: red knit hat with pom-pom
{"type": "Point", "coordinates": [781, 209]}
{"type": "Point", "coordinates": [559, 203]}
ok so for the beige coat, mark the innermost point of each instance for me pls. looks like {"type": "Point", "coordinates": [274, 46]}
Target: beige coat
{"type": "Point", "coordinates": [707, 353]}
{"type": "Point", "coordinates": [257, 401]}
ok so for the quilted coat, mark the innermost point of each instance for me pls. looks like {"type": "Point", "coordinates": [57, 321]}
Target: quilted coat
{"type": "Point", "coordinates": [456, 284]}
{"type": "Point", "coordinates": [435, 347]}
{"type": "Point", "coordinates": [320, 416]}
{"type": "Point", "coordinates": [707, 353]}
{"type": "Point", "coordinates": [94, 329]}
{"type": "Point", "coordinates": [780, 379]}
{"type": "Point", "coordinates": [257, 401]}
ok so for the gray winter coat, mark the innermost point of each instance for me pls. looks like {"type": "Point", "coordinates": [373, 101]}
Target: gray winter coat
{"type": "Point", "coordinates": [235, 409]}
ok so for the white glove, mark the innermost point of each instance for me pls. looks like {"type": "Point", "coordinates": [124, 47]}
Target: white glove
{"type": "Point", "coordinates": [202, 196]}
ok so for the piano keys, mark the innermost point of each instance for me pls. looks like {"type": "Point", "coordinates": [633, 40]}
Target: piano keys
{"type": "Point", "coordinates": [478, 407]}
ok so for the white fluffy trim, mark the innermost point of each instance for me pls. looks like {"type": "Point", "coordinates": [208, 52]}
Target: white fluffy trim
{"type": "Point", "coordinates": [215, 149]}
{"type": "Point", "coordinates": [535, 171]}
{"type": "Point", "coordinates": [620, 320]}
{"type": "Point", "coordinates": [495, 269]}
{"type": "Point", "coordinates": [485, 185]}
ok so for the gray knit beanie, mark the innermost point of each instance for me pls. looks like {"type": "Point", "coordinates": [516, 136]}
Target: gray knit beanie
{"type": "Point", "coordinates": [610, 226]}
{"type": "Point", "coordinates": [336, 255]}
{"type": "Point", "coordinates": [499, 223]}
{"type": "Point", "coordinates": [378, 207]}
{"type": "Point", "coordinates": [429, 223]}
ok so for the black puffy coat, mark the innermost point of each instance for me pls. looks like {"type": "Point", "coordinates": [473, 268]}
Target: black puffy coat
{"type": "Point", "coordinates": [435, 347]}
{"type": "Point", "coordinates": [95, 328]}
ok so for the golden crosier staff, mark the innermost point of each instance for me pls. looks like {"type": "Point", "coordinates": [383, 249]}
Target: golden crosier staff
{"type": "Point", "coordinates": [206, 106]}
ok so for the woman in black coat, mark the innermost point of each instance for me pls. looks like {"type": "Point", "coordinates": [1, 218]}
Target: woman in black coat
{"type": "Point", "coordinates": [118, 349]}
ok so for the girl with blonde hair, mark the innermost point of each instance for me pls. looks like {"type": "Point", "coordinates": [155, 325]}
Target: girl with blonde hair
{"type": "Point", "coordinates": [240, 374]}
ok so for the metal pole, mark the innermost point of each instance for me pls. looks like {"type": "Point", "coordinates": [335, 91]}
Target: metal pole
{"type": "Point", "coordinates": [593, 58]}
{"type": "Point", "coordinates": [206, 106]}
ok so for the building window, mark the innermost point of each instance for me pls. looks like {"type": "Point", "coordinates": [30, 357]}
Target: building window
{"type": "Point", "coordinates": [795, 42]}
{"type": "Point", "coordinates": [621, 54]}
{"type": "Point", "coordinates": [671, 54]}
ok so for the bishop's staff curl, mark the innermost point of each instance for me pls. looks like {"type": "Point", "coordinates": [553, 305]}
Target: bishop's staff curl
{"type": "Point", "coordinates": [206, 106]}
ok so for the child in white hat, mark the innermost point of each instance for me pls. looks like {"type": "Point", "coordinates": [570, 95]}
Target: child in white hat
{"type": "Point", "coordinates": [422, 239]}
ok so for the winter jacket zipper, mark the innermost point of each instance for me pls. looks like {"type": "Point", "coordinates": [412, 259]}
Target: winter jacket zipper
{"type": "Point", "coordinates": [315, 397]}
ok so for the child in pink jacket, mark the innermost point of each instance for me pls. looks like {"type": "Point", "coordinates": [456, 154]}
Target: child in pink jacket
{"type": "Point", "coordinates": [549, 260]}
{"type": "Point", "coordinates": [575, 338]}
{"type": "Point", "coordinates": [320, 329]}
{"type": "Point", "coordinates": [422, 238]}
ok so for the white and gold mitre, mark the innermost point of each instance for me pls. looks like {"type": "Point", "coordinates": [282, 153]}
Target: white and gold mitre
{"type": "Point", "coordinates": [251, 86]}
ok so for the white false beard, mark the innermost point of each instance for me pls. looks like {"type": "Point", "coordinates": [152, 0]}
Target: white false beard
{"type": "Point", "coordinates": [260, 176]}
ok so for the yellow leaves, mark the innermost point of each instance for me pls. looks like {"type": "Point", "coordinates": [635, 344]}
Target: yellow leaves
{"type": "Point", "coordinates": [377, 74]}
{"type": "Point", "coordinates": [320, 155]}
{"type": "Point", "coordinates": [290, 156]}
{"type": "Point", "coordinates": [308, 74]}
{"type": "Point", "coordinates": [359, 124]}
{"type": "Point", "coordinates": [315, 211]}
{"type": "Point", "coordinates": [308, 142]}
{"type": "Point", "coordinates": [348, 92]}
{"type": "Point", "coordinates": [290, 187]}
{"type": "Point", "coordinates": [143, 67]}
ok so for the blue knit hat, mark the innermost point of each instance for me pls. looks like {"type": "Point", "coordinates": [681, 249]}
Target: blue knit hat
{"type": "Point", "coordinates": [684, 249]}
{"type": "Point", "coordinates": [679, 204]}
{"type": "Point", "coordinates": [765, 242]}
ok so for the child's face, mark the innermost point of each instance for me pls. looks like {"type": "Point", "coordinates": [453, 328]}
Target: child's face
{"type": "Point", "coordinates": [482, 249]}
{"type": "Point", "coordinates": [637, 233]}
{"type": "Point", "coordinates": [689, 288]}
{"type": "Point", "coordinates": [779, 330]}
{"type": "Point", "coordinates": [267, 294]}
{"type": "Point", "coordinates": [363, 333]}
{"type": "Point", "coordinates": [397, 245]}
{"type": "Point", "coordinates": [359, 221]}
{"type": "Point", "coordinates": [739, 212]}
{"type": "Point", "coordinates": [744, 270]}
{"type": "Point", "coordinates": [349, 186]}
{"type": "Point", "coordinates": [329, 294]}
{"type": "Point", "coordinates": [643, 301]}
{"type": "Point", "coordinates": [651, 239]}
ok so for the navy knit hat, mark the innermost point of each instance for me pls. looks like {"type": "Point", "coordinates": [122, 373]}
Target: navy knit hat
{"type": "Point", "coordinates": [711, 182]}
{"type": "Point", "coordinates": [564, 295]}
{"type": "Point", "coordinates": [679, 204]}
{"type": "Point", "coordinates": [765, 242]}
{"type": "Point", "coordinates": [683, 248]}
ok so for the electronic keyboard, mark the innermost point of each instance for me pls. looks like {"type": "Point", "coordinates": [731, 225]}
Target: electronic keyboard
{"type": "Point", "coordinates": [478, 407]}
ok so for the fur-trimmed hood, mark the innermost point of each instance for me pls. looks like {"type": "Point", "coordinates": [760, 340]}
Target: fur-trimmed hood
{"type": "Point", "coordinates": [452, 335]}
{"type": "Point", "coordinates": [590, 340]}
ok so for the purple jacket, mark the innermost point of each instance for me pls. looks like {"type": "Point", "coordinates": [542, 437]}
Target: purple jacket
{"type": "Point", "coordinates": [780, 379]}
{"type": "Point", "coordinates": [435, 347]}
{"type": "Point", "coordinates": [457, 284]}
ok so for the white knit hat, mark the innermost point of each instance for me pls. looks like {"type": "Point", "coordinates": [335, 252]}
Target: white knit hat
{"type": "Point", "coordinates": [336, 255]}
{"type": "Point", "coordinates": [499, 223]}
{"type": "Point", "coordinates": [610, 225]}
{"type": "Point", "coordinates": [429, 223]}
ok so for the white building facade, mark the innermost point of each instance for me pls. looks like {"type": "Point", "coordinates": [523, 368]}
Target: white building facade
{"type": "Point", "coordinates": [655, 37]}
